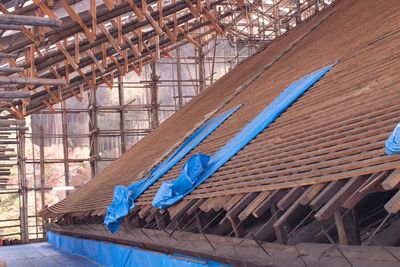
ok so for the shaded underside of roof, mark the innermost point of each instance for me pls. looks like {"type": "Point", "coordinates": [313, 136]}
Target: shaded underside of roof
{"type": "Point", "coordinates": [335, 131]}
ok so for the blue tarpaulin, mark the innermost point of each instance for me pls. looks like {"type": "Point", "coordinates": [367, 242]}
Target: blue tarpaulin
{"type": "Point", "coordinates": [392, 144]}
{"type": "Point", "coordinates": [172, 191]}
{"type": "Point", "coordinates": [124, 197]}
{"type": "Point", "coordinates": [115, 255]}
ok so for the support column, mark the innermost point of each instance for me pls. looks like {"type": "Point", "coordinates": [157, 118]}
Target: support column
{"type": "Point", "coordinates": [277, 27]}
{"type": "Point", "coordinates": [41, 160]}
{"type": "Point", "coordinates": [200, 62]}
{"type": "Point", "coordinates": [179, 77]}
{"type": "Point", "coordinates": [298, 12]}
{"type": "Point", "coordinates": [154, 96]}
{"type": "Point", "coordinates": [65, 143]}
{"type": "Point", "coordinates": [93, 131]}
{"type": "Point", "coordinates": [23, 188]}
{"type": "Point", "coordinates": [316, 5]}
{"type": "Point", "coordinates": [121, 112]}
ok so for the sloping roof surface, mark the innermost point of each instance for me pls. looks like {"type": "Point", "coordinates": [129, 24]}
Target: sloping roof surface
{"type": "Point", "coordinates": [335, 131]}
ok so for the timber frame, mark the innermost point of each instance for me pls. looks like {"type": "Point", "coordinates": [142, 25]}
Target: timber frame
{"type": "Point", "coordinates": [56, 58]}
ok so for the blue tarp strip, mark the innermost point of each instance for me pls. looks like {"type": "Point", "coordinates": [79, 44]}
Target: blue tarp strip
{"type": "Point", "coordinates": [199, 167]}
{"type": "Point", "coordinates": [392, 144]}
{"type": "Point", "coordinates": [124, 197]}
{"type": "Point", "coordinates": [116, 255]}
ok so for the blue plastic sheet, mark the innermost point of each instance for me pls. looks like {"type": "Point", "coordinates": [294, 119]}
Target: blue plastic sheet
{"type": "Point", "coordinates": [124, 197]}
{"type": "Point", "coordinates": [392, 144]}
{"type": "Point", "coordinates": [172, 191]}
{"type": "Point", "coordinates": [115, 255]}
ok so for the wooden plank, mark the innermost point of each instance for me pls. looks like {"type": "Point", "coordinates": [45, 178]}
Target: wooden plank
{"type": "Point", "coordinates": [311, 193]}
{"type": "Point", "coordinates": [253, 205]}
{"type": "Point", "coordinates": [246, 199]}
{"type": "Point", "coordinates": [393, 205]}
{"type": "Point", "coordinates": [232, 202]}
{"type": "Point", "coordinates": [392, 180]}
{"type": "Point", "coordinates": [328, 192]}
{"type": "Point", "coordinates": [215, 203]}
{"type": "Point", "coordinates": [366, 188]}
{"type": "Point", "coordinates": [279, 226]}
{"type": "Point", "coordinates": [181, 208]}
{"type": "Point", "coordinates": [144, 211]}
{"type": "Point", "coordinates": [236, 226]}
{"type": "Point", "coordinates": [289, 198]}
{"type": "Point", "coordinates": [339, 198]}
{"type": "Point", "coordinates": [265, 205]}
{"type": "Point", "coordinates": [195, 206]}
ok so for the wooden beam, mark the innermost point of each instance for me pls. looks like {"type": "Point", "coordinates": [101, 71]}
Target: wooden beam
{"type": "Point", "coordinates": [49, 106]}
{"type": "Point", "coordinates": [189, 38]}
{"type": "Point", "coordinates": [75, 17]}
{"type": "Point", "coordinates": [7, 27]}
{"type": "Point", "coordinates": [366, 188]}
{"type": "Point", "coordinates": [311, 193]}
{"type": "Point", "coordinates": [253, 205]}
{"type": "Point", "coordinates": [7, 55]}
{"type": "Point", "coordinates": [339, 198]}
{"type": "Point", "coordinates": [340, 228]}
{"type": "Point", "coordinates": [193, 9]}
{"type": "Point", "coordinates": [136, 10]}
{"type": "Point", "coordinates": [11, 69]}
{"type": "Point", "coordinates": [109, 4]}
{"type": "Point", "coordinates": [135, 50]}
{"type": "Point", "coordinates": [95, 61]}
{"type": "Point", "coordinates": [326, 194]}
{"type": "Point", "coordinates": [12, 122]}
{"type": "Point", "coordinates": [72, 62]}
{"type": "Point", "coordinates": [393, 205]}
{"type": "Point", "coordinates": [213, 20]}
{"type": "Point", "coordinates": [29, 20]}
{"type": "Point", "coordinates": [267, 203]}
{"type": "Point", "coordinates": [153, 23]}
{"type": "Point", "coordinates": [31, 81]}
{"type": "Point", "coordinates": [93, 13]}
{"type": "Point", "coordinates": [289, 198]}
{"type": "Point", "coordinates": [234, 212]}
{"type": "Point", "coordinates": [110, 38]}
{"type": "Point", "coordinates": [392, 180]}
